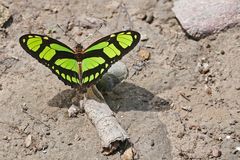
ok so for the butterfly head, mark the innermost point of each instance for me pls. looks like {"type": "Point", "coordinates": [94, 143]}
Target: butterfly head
{"type": "Point", "coordinates": [79, 48]}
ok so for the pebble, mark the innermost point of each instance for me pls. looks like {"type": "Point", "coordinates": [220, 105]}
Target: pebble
{"type": "Point", "coordinates": [238, 148]}
{"type": "Point", "coordinates": [144, 54]}
{"type": "Point", "coordinates": [128, 154]}
{"type": "Point", "coordinates": [144, 37]}
{"type": "Point", "coordinates": [77, 137]}
{"type": "Point", "coordinates": [216, 152]}
{"type": "Point", "coordinates": [204, 129]}
{"type": "Point", "coordinates": [222, 52]}
{"type": "Point", "coordinates": [152, 143]}
{"type": "Point", "coordinates": [5, 15]}
{"type": "Point", "coordinates": [187, 108]}
{"type": "Point", "coordinates": [181, 135]}
{"type": "Point", "coordinates": [28, 141]}
{"type": "Point", "coordinates": [228, 137]}
{"type": "Point", "coordinates": [202, 18]}
{"type": "Point", "coordinates": [237, 88]}
{"type": "Point", "coordinates": [47, 133]}
{"type": "Point", "coordinates": [142, 16]}
{"type": "Point", "coordinates": [233, 122]}
{"type": "Point", "coordinates": [150, 18]}
{"type": "Point", "coordinates": [70, 143]}
{"type": "Point", "coordinates": [203, 66]}
{"type": "Point", "coordinates": [5, 138]}
{"type": "Point", "coordinates": [55, 10]}
{"type": "Point", "coordinates": [208, 90]}
{"type": "Point", "coordinates": [73, 111]}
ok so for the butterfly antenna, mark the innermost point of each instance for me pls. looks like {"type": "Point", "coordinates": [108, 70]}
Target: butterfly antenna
{"type": "Point", "coordinates": [123, 9]}
{"type": "Point", "coordinates": [123, 6]}
{"type": "Point", "coordinates": [90, 35]}
{"type": "Point", "coordinates": [66, 34]}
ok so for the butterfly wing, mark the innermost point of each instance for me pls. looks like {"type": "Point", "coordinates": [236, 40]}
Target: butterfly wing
{"type": "Point", "coordinates": [58, 57]}
{"type": "Point", "coordinates": [99, 56]}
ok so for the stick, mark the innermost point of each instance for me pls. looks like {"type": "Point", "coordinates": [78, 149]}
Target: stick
{"type": "Point", "coordinates": [112, 135]}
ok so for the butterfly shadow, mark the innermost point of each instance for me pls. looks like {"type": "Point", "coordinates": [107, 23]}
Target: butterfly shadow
{"type": "Point", "coordinates": [127, 96]}
{"type": "Point", "coordinates": [63, 99]}
{"type": "Point", "coordinates": [124, 97]}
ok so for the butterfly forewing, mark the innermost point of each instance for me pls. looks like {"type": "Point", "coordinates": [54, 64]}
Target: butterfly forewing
{"type": "Point", "coordinates": [99, 56]}
{"type": "Point", "coordinates": [55, 55]}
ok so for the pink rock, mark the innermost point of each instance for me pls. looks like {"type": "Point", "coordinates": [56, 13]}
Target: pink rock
{"type": "Point", "coordinates": [201, 18]}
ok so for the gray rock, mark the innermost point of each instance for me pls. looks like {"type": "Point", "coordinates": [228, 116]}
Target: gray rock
{"type": "Point", "coordinates": [4, 15]}
{"type": "Point", "coordinates": [115, 75]}
{"type": "Point", "coordinates": [204, 17]}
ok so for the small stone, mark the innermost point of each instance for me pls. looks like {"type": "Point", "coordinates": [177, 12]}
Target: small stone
{"type": "Point", "coordinates": [204, 129]}
{"type": "Point", "coordinates": [216, 152]}
{"type": "Point", "coordinates": [70, 26]}
{"type": "Point", "coordinates": [152, 143]}
{"type": "Point", "coordinates": [228, 137]}
{"type": "Point", "coordinates": [139, 65]}
{"type": "Point", "coordinates": [47, 133]}
{"type": "Point", "coordinates": [128, 154]}
{"type": "Point", "coordinates": [142, 16]}
{"type": "Point", "coordinates": [233, 122]}
{"type": "Point", "coordinates": [144, 37]}
{"type": "Point", "coordinates": [44, 146]}
{"type": "Point", "coordinates": [180, 135]}
{"type": "Point", "coordinates": [77, 137]}
{"type": "Point", "coordinates": [144, 54]}
{"type": "Point", "coordinates": [222, 52]}
{"type": "Point", "coordinates": [208, 46]}
{"type": "Point", "coordinates": [187, 108]}
{"type": "Point", "coordinates": [150, 18]}
{"type": "Point", "coordinates": [55, 10]}
{"type": "Point", "coordinates": [73, 111]}
{"type": "Point", "coordinates": [47, 7]}
{"type": "Point", "coordinates": [208, 90]}
{"type": "Point", "coordinates": [238, 148]}
{"type": "Point", "coordinates": [28, 141]}
{"type": "Point", "coordinates": [237, 88]}
{"type": "Point", "coordinates": [149, 45]}
{"type": "Point", "coordinates": [5, 138]}
{"type": "Point", "coordinates": [70, 143]}
{"type": "Point", "coordinates": [203, 67]}
{"type": "Point", "coordinates": [24, 107]}
{"type": "Point", "coordinates": [58, 133]}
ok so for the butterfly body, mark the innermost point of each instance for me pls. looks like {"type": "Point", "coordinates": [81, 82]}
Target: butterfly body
{"type": "Point", "coordinates": [79, 67]}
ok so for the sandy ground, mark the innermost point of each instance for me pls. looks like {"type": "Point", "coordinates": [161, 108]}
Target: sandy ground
{"type": "Point", "coordinates": [171, 108]}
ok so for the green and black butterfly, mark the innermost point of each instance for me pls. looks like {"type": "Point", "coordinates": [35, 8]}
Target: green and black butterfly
{"type": "Point", "coordinates": [80, 67]}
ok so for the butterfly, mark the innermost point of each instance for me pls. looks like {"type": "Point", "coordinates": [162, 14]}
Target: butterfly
{"type": "Point", "coordinates": [80, 67]}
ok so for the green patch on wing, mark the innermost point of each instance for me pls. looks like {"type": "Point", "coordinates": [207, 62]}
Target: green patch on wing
{"type": "Point", "coordinates": [69, 64]}
{"type": "Point", "coordinates": [58, 47]}
{"type": "Point", "coordinates": [47, 53]}
{"type": "Point", "coordinates": [111, 51]}
{"type": "Point", "coordinates": [33, 43]}
{"type": "Point", "coordinates": [92, 62]}
{"type": "Point", "coordinates": [125, 40]}
{"type": "Point", "coordinates": [98, 46]}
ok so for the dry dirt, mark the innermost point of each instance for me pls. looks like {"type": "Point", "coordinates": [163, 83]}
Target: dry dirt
{"type": "Point", "coordinates": [171, 106]}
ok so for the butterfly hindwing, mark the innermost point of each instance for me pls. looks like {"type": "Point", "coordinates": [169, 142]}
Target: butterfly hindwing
{"type": "Point", "coordinates": [99, 56]}
{"type": "Point", "coordinates": [55, 55]}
